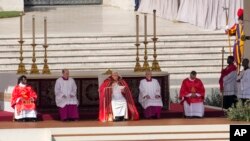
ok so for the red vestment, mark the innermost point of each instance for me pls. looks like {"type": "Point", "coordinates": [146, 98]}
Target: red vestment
{"type": "Point", "coordinates": [230, 68]}
{"type": "Point", "coordinates": [192, 86]}
{"type": "Point", "coordinates": [105, 97]}
{"type": "Point", "coordinates": [26, 97]}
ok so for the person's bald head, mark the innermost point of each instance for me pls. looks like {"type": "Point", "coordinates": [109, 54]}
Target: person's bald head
{"type": "Point", "coordinates": [65, 73]}
{"type": "Point", "coordinates": [148, 74]}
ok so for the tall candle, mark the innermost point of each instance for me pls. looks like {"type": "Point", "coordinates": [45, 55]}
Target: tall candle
{"type": "Point", "coordinates": [137, 29]}
{"type": "Point", "coordinates": [21, 26]}
{"type": "Point", "coordinates": [154, 23]}
{"type": "Point", "coordinates": [33, 29]}
{"type": "Point", "coordinates": [145, 27]}
{"type": "Point", "coordinates": [45, 30]}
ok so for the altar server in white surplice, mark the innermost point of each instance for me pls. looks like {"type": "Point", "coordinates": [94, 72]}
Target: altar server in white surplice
{"type": "Point", "coordinates": [244, 82]}
{"type": "Point", "coordinates": [66, 98]}
{"type": "Point", "coordinates": [150, 96]}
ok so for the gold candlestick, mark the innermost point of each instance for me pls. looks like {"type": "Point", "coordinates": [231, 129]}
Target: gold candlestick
{"type": "Point", "coordinates": [138, 67]}
{"type": "Point", "coordinates": [145, 64]}
{"type": "Point", "coordinates": [46, 69]}
{"type": "Point", "coordinates": [34, 69]}
{"type": "Point", "coordinates": [155, 64]}
{"type": "Point", "coordinates": [21, 67]}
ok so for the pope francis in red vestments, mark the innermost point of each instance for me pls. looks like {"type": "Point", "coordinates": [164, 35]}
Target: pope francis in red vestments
{"type": "Point", "coordinates": [115, 100]}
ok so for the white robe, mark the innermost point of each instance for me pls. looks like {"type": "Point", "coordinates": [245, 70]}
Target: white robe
{"type": "Point", "coordinates": [67, 88]}
{"type": "Point", "coordinates": [151, 88]}
{"type": "Point", "coordinates": [244, 84]}
{"type": "Point", "coordinates": [194, 109]}
{"type": "Point", "coordinates": [230, 84]}
{"type": "Point", "coordinates": [119, 103]}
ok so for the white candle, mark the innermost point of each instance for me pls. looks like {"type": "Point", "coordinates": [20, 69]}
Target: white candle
{"type": "Point", "coordinates": [154, 23]}
{"type": "Point", "coordinates": [33, 29]}
{"type": "Point", "coordinates": [137, 29]}
{"type": "Point", "coordinates": [145, 27]}
{"type": "Point", "coordinates": [21, 26]}
{"type": "Point", "coordinates": [45, 30]}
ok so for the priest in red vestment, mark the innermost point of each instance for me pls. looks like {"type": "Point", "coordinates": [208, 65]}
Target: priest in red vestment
{"type": "Point", "coordinates": [23, 101]}
{"type": "Point", "coordinates": [192, 95]}
{"type": "Point", "coordinates": [115, 100]}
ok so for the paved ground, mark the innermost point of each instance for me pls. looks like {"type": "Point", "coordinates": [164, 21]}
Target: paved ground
{"type": "Point", "coordinates": [89, 20]}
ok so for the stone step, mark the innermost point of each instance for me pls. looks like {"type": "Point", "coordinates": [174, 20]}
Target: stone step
{"type": "Point", "coordinates": [115, 39]}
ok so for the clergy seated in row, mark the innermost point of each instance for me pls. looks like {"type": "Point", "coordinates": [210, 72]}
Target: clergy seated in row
{"type": "Point", "coordinates": [66, 98]}
{"type": "Point", "coordinates": [116, 101]}
{"type": "Point", "coordinates": [192, 95]}
{"type": "Point", "coordinates": [23, 101]}
{"type": "Point", "coordinates": [150, 96]}
{"type": "Point", "coordinates": [243, 81]}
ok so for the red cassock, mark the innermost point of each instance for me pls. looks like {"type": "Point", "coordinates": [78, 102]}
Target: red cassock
{"type": "Point", "coordinates": [27, 97]}
{"type": "Point", "coordinates": [188, 86]}
{"type": "Point", "coordinates": [105, 97]}
{"type": "Point", "coordinates": [230, 68]}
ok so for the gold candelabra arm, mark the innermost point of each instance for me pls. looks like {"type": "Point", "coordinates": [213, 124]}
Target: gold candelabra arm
{"type": "Point", "coordinates": [155, 64]}
{"type": "Point", "coordinates": [138, 67]}
{"type": "Point", "coordinates": [34, 69]}
{"type": "Point", "coordinates": [21, 67]}
{"type": "Point", "coordinates": [145, 64]}
{"type": "Point", "coordinates": [46, 69]}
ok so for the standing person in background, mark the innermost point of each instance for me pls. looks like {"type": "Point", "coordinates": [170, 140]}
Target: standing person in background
{"type": "Point", "coordinates": [244, 80]}
{"type": "Point", "coordinates": [228, 84]}
{"type": "Point", "coordinates": [237, 31]}
{"type": "Point", "coordinates": [66, 97]}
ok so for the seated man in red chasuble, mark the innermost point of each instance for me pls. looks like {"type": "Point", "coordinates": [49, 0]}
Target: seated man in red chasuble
{"type": "Point", "coordinates": [23, 101]}
{"type": "Point", "coordinates": [115, 100]}
{"type": "Point", "coordinates": [192, 94]}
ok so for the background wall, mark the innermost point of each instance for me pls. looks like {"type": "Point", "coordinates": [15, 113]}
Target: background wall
{"type": "Point", "coordinates": [11, 5]}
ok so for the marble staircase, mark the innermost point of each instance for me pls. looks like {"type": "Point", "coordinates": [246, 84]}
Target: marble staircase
{"type": "Point", "coordinates": [178, 54]}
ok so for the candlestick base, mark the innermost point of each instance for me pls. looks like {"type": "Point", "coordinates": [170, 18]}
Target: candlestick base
{"type": "Point", "coordinates": [155, 65]}
{"type": "Point", "coordinates": [138, 67]}
{"type": "Point", "coordinates": [34, 69]}
{"type": "Point", "coordinates": [21, 67]}
{"type": "Point", "coordinates": [145, 63]}
{"type": "Point", "coordinates": [46, 69]}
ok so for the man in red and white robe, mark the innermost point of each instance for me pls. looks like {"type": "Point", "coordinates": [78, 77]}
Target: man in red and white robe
{"type": "Point", "coordinates": [192, 95]}
{"type": "Point", "coordinates": [115, 100]}
{"type": "Point", "coordinates": [228, 83]}
{"type": "Point", "coordinates": [23, 101]}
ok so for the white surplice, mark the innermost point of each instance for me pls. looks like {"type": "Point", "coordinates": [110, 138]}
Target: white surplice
{"type": "Point", "coordinates": [151, 88]}
{"type": "Point", "coordinates": [244, 84]}
{"type": "Point", "coordinates": [194, 109]}
{"type": "Point", "coordinates": [230, 84]}
{"type": "Point", "coordinates": [67, 88]}
{"type": "Point", "coordinates": [119, 103]}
